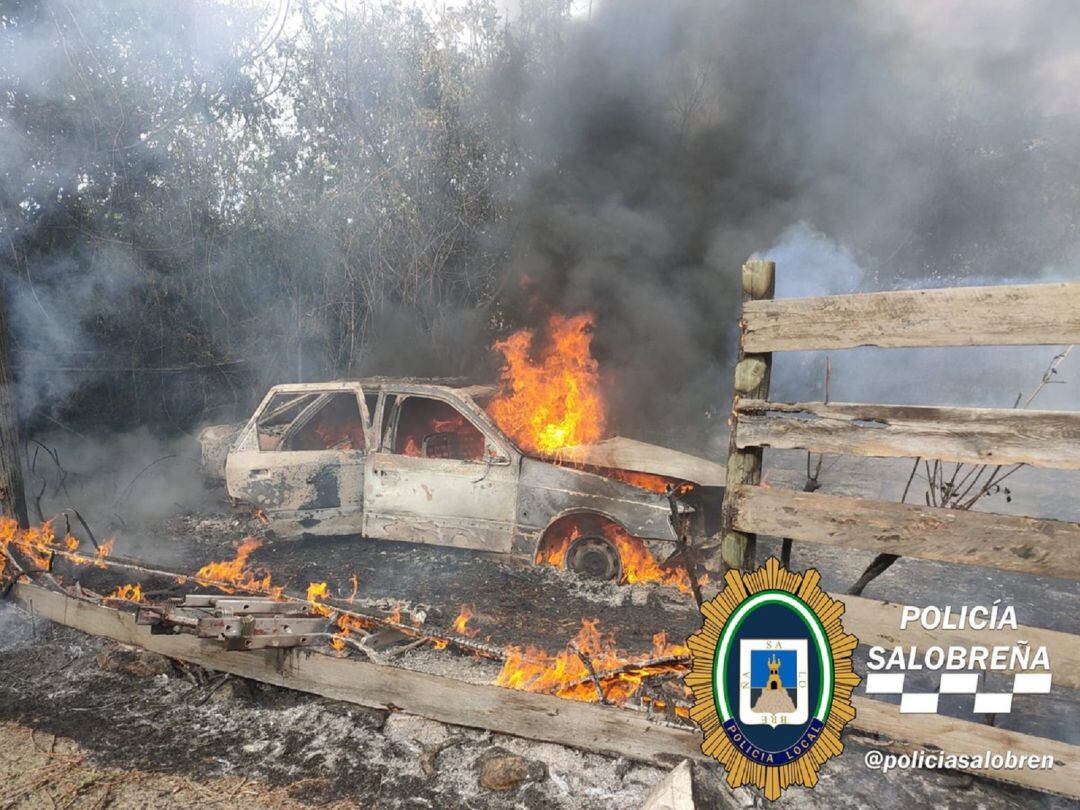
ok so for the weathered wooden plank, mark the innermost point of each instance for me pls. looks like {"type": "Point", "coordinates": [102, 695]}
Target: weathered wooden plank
{"type": "Point", "coordinates": [752, 373]}
{"type": "Point", "coordinates": [973, 435]}
{"type": "Point", "coordinates": [938, 733]}
{"type": "Point", "coordinates": [1005, 542]}
{"type": "Point", "coordinates": [606, 729]}
{"type": "Point", "coordinates": [874, 622]}
{"type": "Point", "coordinates": [1028, 314]}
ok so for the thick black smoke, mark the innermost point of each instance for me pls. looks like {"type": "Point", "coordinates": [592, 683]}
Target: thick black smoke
{"type": "Point", "coordinates": [198, 201]}
{"type": "Point", "coordinates": [863, 146]}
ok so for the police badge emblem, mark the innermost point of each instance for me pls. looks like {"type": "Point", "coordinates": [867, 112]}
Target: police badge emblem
{"type": "Point", "coordinates": [772, 678]}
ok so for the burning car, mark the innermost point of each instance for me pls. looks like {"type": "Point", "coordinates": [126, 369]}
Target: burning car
{"type": "Point", "coordinates": [423, 461]}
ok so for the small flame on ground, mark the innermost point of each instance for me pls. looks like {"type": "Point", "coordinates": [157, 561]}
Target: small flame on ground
{"type": "Point", "coordinates": [128, 593]}
{"type": "Point", "coordinates": [346, 624]}
{"type": "Point", "coordinates": [233, 575]}
{"type": "Point", "coordinates": [317, 593]}
{"type": "Point", "coordinates": [462, 621]}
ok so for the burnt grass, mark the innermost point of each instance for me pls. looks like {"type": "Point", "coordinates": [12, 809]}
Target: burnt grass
{"type": "Point", "coordinates": [512, 603]}
{"type": "Point", "coordinates": [171, 723]}
{"type": "Point", "coordinates": [516, 603]}
{"type": "Point", "coordinates": [157, 715]}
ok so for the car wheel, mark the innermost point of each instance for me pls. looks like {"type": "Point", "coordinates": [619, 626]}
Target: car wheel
{"type": "Point", "coordinates": [594, 557]}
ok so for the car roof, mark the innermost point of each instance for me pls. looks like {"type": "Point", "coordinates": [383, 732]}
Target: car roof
{"type": "Point", "coordinates": [406, 385]}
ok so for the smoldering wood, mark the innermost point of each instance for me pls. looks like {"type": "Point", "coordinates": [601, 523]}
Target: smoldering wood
{"type": "Point", "coordinates": [752, 372]}
{"type": "Point", "coordinates": [1006, 542]}
{"type": "Point", "coordinates": [605, 729]}
{"type": "Point", "coordinates": [1005, 315]}
{"type": "Point", "coordinates": [998, 436]}
{"type": "Point", "coordinates": [429, 633]}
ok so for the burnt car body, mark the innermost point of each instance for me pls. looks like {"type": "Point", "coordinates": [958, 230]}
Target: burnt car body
{"type": "Point", "coordinates": [421, 461]}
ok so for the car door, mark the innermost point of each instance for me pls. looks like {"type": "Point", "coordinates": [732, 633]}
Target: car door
{"type": "Point", "coordinates": [439, 476]}
{"type": "Point", "coordinates": [302, 455]}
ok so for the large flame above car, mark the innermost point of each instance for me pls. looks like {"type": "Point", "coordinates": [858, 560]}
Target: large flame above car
{"type": "Point", "coordinates": [549, 394]}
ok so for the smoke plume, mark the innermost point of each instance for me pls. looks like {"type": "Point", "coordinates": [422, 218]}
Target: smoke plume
{"type": "Point", "coordinates": [861, 146]}
{"type": "Point", "coordinates": [248, 196]}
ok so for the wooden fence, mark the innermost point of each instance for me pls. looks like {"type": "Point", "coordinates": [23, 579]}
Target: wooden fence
{"type": "Point", "coordinates": [1039, 314]}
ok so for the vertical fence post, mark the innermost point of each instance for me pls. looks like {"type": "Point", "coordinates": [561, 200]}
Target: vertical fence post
{"type": "Point", "coordinates": [751, 381]}
{"type": "Point", "coordinates": [12, 496]}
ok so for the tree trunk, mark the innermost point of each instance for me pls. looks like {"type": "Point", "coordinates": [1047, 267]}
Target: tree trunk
{"type": "Point", "coordinates": [12, 495]}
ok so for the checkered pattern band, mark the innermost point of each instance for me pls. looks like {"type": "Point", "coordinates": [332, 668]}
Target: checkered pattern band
{"type": "Point", "coordinates": [957, 683]}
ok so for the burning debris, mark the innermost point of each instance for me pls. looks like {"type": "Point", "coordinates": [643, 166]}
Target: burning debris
{"type": "Point", "coordinates": [591, 667]}
{"type": "Point", "coordinates": [519, 469]}
{"type": "Point", "coordinates": [254, 613]}
{"type": "Point", "coordinates": [234, 575]}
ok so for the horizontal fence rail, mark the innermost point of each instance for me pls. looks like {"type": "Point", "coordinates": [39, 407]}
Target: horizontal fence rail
{"type": "Point", "coordinates": [1038, 314]}
{"type": "Point", "coordinates": [1028, 314]}
{"type": "Point", "coordinates": [1005, 542]}
{"type": "Point", "coordinates": [972, 435]}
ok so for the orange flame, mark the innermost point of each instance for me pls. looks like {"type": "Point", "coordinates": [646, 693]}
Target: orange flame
{"type": "Point", "coordinates": [346, 624]}
{"type": "Point", "coordinates": [128, 593]}
{"type": "Point", "coordinates": [566, 675]}
{"type": "Point", "coordinates": [638, 563]}
{"type": "Point", "coordinates": [659, 484]}
{"type": "Point", "coordinates": [233, 575]}
{"type": "Point", "coordinates": [35, 544]}
{"type": "Point", "coordinates": [462, 621]}
{"type": "Point", "coordinates": [550, 400]}
{"type": "Point", "coordinates": [103, 551]}
{"type": "Point", "coordinates": [317, 593]}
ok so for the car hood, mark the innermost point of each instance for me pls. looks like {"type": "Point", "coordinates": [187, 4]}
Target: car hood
{"type": "Point", "coordinates": [628, 454]}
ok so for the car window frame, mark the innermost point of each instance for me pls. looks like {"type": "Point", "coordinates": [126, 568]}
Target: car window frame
{"type": "Point", "coordinates": [306, 414]}
{"type": "Point", "coordinates": [505, 458]}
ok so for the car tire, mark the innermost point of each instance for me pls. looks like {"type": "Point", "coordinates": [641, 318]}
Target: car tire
{"type": "Point", "coordinates": [594, 557]}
